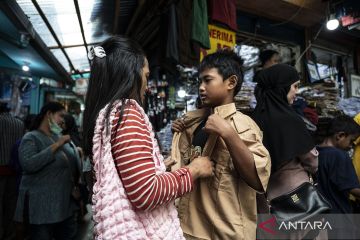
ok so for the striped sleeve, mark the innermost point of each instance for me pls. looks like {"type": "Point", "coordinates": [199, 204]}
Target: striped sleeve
{"type": "Point", "coordinates": [132, 149]}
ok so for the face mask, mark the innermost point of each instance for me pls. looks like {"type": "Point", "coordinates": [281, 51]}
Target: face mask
{"type": "Point", "coordinates": [54, 127]}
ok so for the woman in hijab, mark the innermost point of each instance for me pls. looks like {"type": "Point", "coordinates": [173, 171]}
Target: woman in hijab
{"type": "Point", "coordinates": [292, 151]}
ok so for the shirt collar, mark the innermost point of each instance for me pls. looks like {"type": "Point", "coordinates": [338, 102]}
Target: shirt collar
{"type": "Point", "coordinates": [198, 115]}
{"type": "Point", "coordinates": [226, 110]}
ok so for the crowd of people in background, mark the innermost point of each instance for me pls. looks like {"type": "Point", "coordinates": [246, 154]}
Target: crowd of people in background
{"type": "Point", "coordinates": [44, 166]}
{"type": "Point", "coordinates": [227, 166]}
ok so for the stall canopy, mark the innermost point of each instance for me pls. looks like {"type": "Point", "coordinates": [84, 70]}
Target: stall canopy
{"type": "Point", "coordinates": [53, 37]}
{"type": "Point", "coordinates": [20, 46]}
{"type": "Point", "coordinates": [70, 27]}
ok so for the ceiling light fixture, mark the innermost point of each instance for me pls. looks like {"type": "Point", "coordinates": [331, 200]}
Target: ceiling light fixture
{"type": "Point", "coordinates": [25, 68]}
{"type": "Point", "coordinates": [332, 23]}
{"type": "Point", "coordinates": [181, 93]}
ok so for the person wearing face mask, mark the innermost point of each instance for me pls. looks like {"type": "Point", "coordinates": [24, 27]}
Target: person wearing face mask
{"type": "Point", "coordinates": [49, 166]}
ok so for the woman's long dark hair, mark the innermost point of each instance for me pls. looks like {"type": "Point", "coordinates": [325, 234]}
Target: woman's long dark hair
{"type": "Point", "coordinates": [52, 107]}
{"type": "Point", "coordinates": [117, 76]}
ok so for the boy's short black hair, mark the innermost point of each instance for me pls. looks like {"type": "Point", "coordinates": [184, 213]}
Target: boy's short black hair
{"type": "Point", "coordinates": [343, 124]}
{"type": "Point", "coordinates": [227, 62]}
{"type": "Point", "coordinates": [266, 55]}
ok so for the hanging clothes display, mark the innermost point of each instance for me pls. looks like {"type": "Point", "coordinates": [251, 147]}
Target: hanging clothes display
{"type": "Point", "coordinates": [189, 52]}
{"type": "Point", "coordinates": [224, 12]}
{"type": "Point", "coordinates": [199, 30]}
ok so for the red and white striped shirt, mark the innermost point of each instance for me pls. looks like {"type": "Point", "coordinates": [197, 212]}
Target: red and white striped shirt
{"type": "Point", "coordinates": [132, 150]}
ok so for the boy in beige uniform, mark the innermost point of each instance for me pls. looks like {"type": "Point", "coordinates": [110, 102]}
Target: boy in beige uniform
{"type": "Point", "coordinates": [223, 206]}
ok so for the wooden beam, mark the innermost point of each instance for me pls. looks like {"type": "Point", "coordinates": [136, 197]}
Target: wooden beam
{"type": "Point", "coordinates": [283, 11]}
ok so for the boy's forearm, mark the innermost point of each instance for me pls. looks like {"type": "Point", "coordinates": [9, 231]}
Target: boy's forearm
{"type": "Point", "coordinates": [243, 159]}
{"type": "Point", "coordinates": [355, 192]}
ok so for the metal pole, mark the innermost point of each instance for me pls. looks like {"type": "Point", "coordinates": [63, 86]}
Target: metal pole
{"type": "Point", "coordinates": [44, 18]}
{"type": "Point", "coordinates": [81, 25]}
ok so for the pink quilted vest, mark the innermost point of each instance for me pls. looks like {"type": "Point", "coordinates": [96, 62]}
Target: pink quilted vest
{"type": "Point", "coordinates": [114, 216]}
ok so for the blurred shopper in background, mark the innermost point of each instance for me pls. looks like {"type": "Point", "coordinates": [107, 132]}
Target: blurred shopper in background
{"type": "Point", "coordinates": [336, 176]}
{"type": "Point", "coordinates": [70, 128]}
{"type": "Point", "coordinates": [11, 129]}
{"type": "Point", "coordinates": [267, 59]}
{"type": "Point", "coordinates": [50, 169]}
{"type": "Point", "coordinates": [21, 229]}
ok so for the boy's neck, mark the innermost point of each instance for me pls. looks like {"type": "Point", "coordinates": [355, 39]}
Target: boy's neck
{"type": "Point", "coordinates": [328, 142]}
{"type": "Point", "coordinates": [223, 103]}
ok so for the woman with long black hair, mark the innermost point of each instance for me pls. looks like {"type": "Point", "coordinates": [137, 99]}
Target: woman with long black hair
{"type": "Point", "coordinates": [132, 194]}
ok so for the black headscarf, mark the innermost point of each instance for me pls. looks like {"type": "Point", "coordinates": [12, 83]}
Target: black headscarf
{"type": "Point", "coordinates": [285, 134]}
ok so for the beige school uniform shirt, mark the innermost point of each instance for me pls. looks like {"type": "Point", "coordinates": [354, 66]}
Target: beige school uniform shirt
{"type": "Point", "coordinates": [223, 206]}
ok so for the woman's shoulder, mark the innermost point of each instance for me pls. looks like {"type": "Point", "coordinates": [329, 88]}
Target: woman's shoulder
{"type": "Point", "coordinates": [31, 135]}
{"type": "Point", "coordinates": [131, 106]}
{"type": "Point", "coordinates": [32, 138]}
{"type": "Point", "coordinates": [132, 112]}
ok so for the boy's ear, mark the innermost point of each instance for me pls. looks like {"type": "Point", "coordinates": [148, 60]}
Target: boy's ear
{"type": "Point", "coordinates": [339, 135]}
{"type": "Point", "coordinates": [233, 80]}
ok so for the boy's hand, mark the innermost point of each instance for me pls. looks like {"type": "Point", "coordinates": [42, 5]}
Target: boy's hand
{"type": "Point", "coordinates": [218, 125]}
{"type": "Point", "coordinates": [178, 125]}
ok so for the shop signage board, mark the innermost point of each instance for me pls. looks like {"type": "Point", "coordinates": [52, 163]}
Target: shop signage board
{"type": "Point", "coordinates": [219, 38]}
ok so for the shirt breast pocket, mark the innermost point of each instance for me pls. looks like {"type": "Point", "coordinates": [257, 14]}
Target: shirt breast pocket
{"type": "Point", "coordinates": [223, 166]}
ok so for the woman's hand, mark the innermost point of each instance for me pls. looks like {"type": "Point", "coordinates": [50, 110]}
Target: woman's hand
{"type": "Point", "coordinates": [60, 142]}
{"type": "Point", "coordinates": [178, 125]}
{"type": "Point", "coordinates": [201, 167]}
{"type": "Point", "coordinates": [63, 139]}
{"type": "Point", "coordinates": [169, 162]}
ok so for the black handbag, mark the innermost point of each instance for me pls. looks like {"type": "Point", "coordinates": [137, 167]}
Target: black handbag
{"type": "Point", "coordinates": [301, 204]}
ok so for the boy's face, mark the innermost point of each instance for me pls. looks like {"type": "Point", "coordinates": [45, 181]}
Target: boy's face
{"type": "Point", "coordinates": [213, 90]}
{"type": "Point", "coordinates": [344, 141]}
